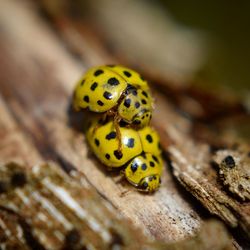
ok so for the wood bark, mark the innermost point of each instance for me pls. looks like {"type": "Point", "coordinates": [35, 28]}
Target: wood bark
{"type": "Point", "coordinates": [38, 94]}
{"type": "Point", "coordinates": [45, 208]}
{"type": "Point", "coordinates": [39, 68]}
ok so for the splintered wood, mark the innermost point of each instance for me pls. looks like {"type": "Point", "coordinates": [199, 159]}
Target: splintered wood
{"type": "Point", "coordinates": [38, 94]}
{"type": "Point", "coordinates": [88, 207]}
{"type": "Point", "coordinates": [45, 208]}
{"type": "Point", "coordinates": [191, 166]}
{"type": "Point", "coordinates": [61, 212]}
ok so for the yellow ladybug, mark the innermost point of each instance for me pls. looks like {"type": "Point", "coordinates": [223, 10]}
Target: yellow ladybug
{"type": "Point", "coordinates": [115, 91]}
{"type": "Point", "coordinates": [140, 153]}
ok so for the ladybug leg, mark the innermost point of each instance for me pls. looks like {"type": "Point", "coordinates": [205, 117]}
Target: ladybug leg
{"type": "Point", "coordinates": [101, 120]}
{"type": "Point", "coordinates": [123, 178]}
{"type": "Point", "coordinates": [96, 127]}
{"type": "Point", "coordinates": [118, 132]}
{"type": "Point", "coordinates": [124, 193]}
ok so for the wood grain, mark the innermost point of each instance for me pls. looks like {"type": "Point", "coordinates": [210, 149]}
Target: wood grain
{"type": "Point", "coordinates": [37, 77]}
{"type": "Point", "coordinates": [39, 67]}
{"type": "Point", "coordinates": [45, 208]}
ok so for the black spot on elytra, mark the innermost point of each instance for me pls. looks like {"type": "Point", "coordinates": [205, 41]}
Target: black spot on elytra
{"type": "Point", "coordinates": [144, 185]}
{"type": "Point", "coordinates": [152, 164]}
{"type": "Point", "coordinates": [100, 103]}
{"type": "Point", "coordinates": [111, 135]}
{"type": "Point", "coordinates": [107, 156]}
{"type": "Point", "coordinates": [127, 103]}
{"type": "Point", "coordinates": [134, 167]}
{"type": "Point", "coordinates": [107, 95]}
{"type": "Point", "coordinates": [86, 98]}
{"type": "Point", "coordinates": [97, 142]}
{"type": "Point", "coordinates": [93, 86]}
{"type": "Point", "coordinates": [98, 72]}
{"type": "Point", "coordinates": [137, 105]}
{"type": "Point", "coordinates": [155, 178]}
{"type": "Point", "coordinates": [144, 101]}
{"type": "Point", "coordinates": [142, 78]}
{"type": "Point", "coordinates": [145, 93]}
{"type": "Point", "coordinates": [113, 81]}
{"type": "Point", "coordinates": [149, 138]}
{"type": "Point", "coordinates": [136, 122]}
{"type": "Point", "coordinates": [134, 92]}
{"type": "Point", "coordinates": [82, 82]}
{"type": "Point", "coordinates": [118, 154]}
{"type": "Point", "coordinates": [155, 158]}
{"type": "Point", "coordinates": [150, 178]}
{"type": "Point", "coordinates": [123, 124]}
{"type": "Point", "coordinates": [144, 155]}
{"type": "Point", "coordinates": [229, 161]}
{"type": "Point", "coordinates": [126, 73]}
{"type": "Point", "coordinates": [130, 143]}
{"type": "Point", "coordinates": [130, 88]}
{"type": "Point", "coordinates": [18, 179]}
{"type": "Point", "coordinates": [144, 166]}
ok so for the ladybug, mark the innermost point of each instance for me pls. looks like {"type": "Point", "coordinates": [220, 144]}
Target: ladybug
{"type": "Point", "coordinates": [139, 157]}
{"type": "Point", "coordinates": [115, 91]}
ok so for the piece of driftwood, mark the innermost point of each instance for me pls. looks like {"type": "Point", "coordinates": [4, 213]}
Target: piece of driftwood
{"type": "Point", "coordinates": [38, 73]}
{"type": "Point", "coordinates": [61, 212]}
{"type": "Point", "coordinates": [192, 167]}
{"type": "Point", "coordinates": [44, 208]}
{"type": "Point", "coordinates": [37, 77]}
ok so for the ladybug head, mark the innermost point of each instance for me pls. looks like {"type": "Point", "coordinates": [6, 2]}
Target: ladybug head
{"type": "Point", "coordinates": [150, 183]}
{"type": "Point", "coordinates": [136, 107]}
{"type": "Point", "coordinates": [144, 173]}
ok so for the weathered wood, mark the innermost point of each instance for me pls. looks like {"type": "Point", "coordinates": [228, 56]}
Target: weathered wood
{"type": "Point", "coordinates": [63, 212]}
{"type": "Point", "coordinates": [37, 77]}
{"type": "Point", "coordinates": [38, 94]}
{"type": "Point", "coordinates": [191, 163]}
{"type": "Point", "coordinates": [192, 167]}
{"type": "Point", "coordinates": [44, 208]}
{"type": "Point", "coordinates": [15, 144]}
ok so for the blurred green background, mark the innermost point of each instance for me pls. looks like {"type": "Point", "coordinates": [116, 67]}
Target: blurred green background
{"type": "Point", "coordinates": [208, 40]}
{"type": "Point", "coordinates": [228, 26]}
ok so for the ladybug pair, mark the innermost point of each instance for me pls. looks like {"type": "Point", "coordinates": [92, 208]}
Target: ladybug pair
{"type": "Point", "coordinates": [118, 132]}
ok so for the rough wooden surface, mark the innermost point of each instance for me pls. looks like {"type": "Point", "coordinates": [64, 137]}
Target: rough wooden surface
{"type": "Point", "coordinates": [45, 208]}
{"type": "Point", "coordinates": [196, 175]}
{"type": "Point", "coordinates": [37, 78]}
{"type": "Point", "coordinates": [39, 67]}
{"type": "Point", "coordinates": [56, 211]}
